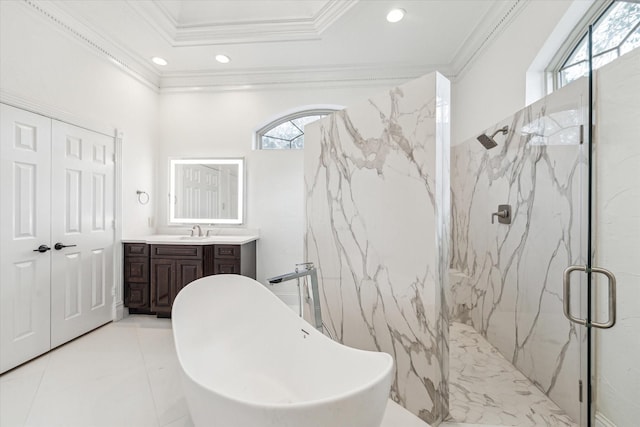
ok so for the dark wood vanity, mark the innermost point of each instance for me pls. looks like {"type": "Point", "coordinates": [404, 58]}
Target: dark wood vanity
{"type": "Point", "coordinates": [155, 273]}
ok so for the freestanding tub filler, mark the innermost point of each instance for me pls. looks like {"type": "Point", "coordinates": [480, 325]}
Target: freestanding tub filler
{"type": "Point", "coordinates": [247, 360]}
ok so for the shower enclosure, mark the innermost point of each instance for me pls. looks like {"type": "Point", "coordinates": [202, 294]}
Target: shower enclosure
{"type": "Point", "coordinates": [556, 292]}
{"type": "Point", "coordinates": [378, 177]}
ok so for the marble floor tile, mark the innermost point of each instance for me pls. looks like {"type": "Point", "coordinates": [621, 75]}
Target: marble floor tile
{"type": "Point", "coordinates": [127, 374]}
{"type": "Point", "coordinates": [486, 389]}
{"type": "Point", "coordinates": [122, 399]}
{"type": "Point", "coordinates": [17, 393]}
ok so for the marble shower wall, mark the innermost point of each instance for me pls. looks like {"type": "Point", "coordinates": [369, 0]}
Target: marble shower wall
{"type": "Point", "coordinates": [508, 278]}
{"type": "Point", "coordinates": [377, 208]}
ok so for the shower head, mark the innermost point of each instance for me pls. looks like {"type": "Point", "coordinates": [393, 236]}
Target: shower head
{"type": "Point", "coordinates": [488, 142]}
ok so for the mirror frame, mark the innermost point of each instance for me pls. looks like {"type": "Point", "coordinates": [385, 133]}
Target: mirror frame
{"type": "Point", "coordinates": [206, 161]}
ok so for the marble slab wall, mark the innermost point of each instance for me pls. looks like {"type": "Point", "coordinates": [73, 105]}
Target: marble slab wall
{"type": "Point", "coordinates": [377, 221]}
{"type": "Point", "coordinates": [512, 287]}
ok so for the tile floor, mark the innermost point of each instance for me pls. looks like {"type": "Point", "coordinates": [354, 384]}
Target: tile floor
{"type": "Point", "coordinates": [123, 374]}
{"type": "Point", "coordinates": [126, 374]}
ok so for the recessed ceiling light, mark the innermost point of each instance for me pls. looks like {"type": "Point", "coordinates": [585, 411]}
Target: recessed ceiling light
{"type": "Point", "coordinates": [395, 15]}
{"type": "Point", "coordinates": [159, 61]}
{"type": "Point", "coordinates": [223, 59]}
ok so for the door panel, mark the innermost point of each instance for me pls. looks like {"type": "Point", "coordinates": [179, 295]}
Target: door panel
{"type": "Point", "coordinates": [82, 220]}
{"type": "Point", "coordinates": [187, 272]}
{"type": "Point", "coordinates": [98, 279]}
{"type": "Point", "coordinates": [163, 278]}
{"type": "Point", "coordinates": [25, 152]}
{"type": "Point", "coordinates": [617, 242]}
{"type": "Point", "coordinates": [72, 279]}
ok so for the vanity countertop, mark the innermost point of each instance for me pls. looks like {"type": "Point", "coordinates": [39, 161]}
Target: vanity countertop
{"type": "Point", "coordinates": [173, 239]}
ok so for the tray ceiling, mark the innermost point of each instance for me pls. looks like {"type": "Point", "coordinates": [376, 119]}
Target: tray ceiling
{"type": "Point", "coordinates": [283, 41]}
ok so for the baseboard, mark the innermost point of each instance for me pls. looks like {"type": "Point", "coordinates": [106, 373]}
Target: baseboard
{"type": "Point", "coordinates": [119, 312]}
{"type": "Point", "coordinates": [602, 421]}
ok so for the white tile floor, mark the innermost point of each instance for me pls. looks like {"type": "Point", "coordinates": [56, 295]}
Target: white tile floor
{"type": "Point", "coordinates": [124, 374]}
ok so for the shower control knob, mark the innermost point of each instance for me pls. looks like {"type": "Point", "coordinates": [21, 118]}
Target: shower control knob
{"type": "Point", "coordinates": [42, 249]}
{"type": "Point", "coordinates": [59, 246]}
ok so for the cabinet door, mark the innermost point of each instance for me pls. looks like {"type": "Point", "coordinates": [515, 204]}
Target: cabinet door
{"type": "Point", "coordinates": [163, 288]}
{"type": "Point", "coordinates": [187, 272]}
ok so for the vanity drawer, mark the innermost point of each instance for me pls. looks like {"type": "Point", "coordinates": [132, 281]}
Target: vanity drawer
{"type": "Point", "coordinates": [137, 295]}
{"type": "Point", "coordinates": [176, 251]}
{"type": "Point", "coordinates": [136, 269]}
{"type": "Point", "coordinates": [136, 249]}
{"type": "Point", "coordinates": [227, 251]}
{"type": "Point", "coordinates": [226, 266]}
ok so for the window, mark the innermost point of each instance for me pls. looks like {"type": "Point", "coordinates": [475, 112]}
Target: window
{"type": "Point", "coordinates": [616, 31]}
{"type": "Point", "coordinates": [287, 133]}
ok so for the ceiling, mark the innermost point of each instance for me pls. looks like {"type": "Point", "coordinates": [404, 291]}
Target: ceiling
{"type": "Point", "coordinates": [282, 41]}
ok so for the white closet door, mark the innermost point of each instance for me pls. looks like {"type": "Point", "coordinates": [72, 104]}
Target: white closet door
{"type": "Point", "coordinates": [25, 195]}
{"type": "Point", "coordinates": [82, 219]}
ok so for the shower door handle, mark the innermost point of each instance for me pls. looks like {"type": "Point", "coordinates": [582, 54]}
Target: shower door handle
{"type": "Point", "coordinates": [611, 281]}
{"type": "Point", "coordinates": [567, 296]}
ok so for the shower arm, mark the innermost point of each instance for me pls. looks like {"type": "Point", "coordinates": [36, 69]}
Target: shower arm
{"type": "Point", "coordinates": [502, 130]}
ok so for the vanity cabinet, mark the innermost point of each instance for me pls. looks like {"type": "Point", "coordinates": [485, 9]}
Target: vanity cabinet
{"type": "Point", "coordinates": [155, 273]}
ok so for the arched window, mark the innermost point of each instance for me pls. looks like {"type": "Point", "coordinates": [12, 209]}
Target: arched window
{"type": "Point", "coordinates": [616, 31]}
{"type": "Point", "coordinates": [287, 133]}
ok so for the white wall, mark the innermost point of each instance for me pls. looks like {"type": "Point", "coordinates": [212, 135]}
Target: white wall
{"type": "Point", "coordinates": [494, 85]}
{"type": "Point", "coordinates": [52, 67]}
{"type": "Point", "coordinates": [55, 68]}
{"type": "Point", "coordinates": [222, 124]}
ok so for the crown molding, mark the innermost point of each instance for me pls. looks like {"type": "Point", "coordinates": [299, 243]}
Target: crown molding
{"type": "Point", "coordinates": [55, 14]}
{"type": "Point", "coordinates": [296, 29]}
{"type": "Point", "coordinates": [54, 112]}
{"type": "Point", "coordinates": [248, 79]}
{"type": "Point", "coordinates": [491, 25]}
{"type": "Point", "coordinates": [499, 18]}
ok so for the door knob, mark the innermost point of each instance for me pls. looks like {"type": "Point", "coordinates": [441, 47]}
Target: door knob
{"type": "Point", "coordinates": [42, 248]}
{"type": "Point", "coordinates": [59, 246]}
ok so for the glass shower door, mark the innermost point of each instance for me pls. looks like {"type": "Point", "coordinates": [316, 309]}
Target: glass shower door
{"type": "Point", "coordinates": [616, 244]}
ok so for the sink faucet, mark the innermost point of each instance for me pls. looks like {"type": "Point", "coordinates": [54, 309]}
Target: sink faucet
{"type": "Point", "coordinates": [193, 230]}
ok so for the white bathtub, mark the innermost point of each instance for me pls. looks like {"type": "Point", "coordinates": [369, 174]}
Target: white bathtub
{"type": "Point", "coordinates": [248, 361]}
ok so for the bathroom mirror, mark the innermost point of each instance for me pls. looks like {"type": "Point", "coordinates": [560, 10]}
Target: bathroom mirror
{"type": "Point", "coordinates": [206, 191]}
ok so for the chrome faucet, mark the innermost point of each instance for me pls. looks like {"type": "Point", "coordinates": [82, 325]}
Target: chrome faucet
{"type": "Point", "coordinates": [193, 230]}
{"type": "Point", "coordinates": [302, 270]}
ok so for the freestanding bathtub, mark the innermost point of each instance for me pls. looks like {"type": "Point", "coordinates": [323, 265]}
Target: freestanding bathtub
{"type": "Point", "coordinates": [247, 360]}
